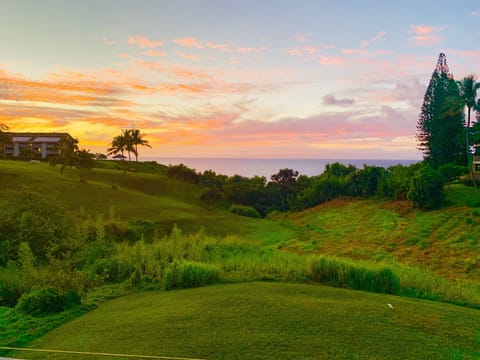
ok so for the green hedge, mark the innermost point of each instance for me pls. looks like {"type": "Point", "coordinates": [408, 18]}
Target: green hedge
{"type": "Point", "coordinates": [244, 210]}
{"type": "Point", "coordinates": [188, 274]}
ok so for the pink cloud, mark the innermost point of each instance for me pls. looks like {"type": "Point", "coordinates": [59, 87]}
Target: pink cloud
{"type": "Point", "coordinates": [294, 52]}
{"type": "Point", "coordinates": [332, 60]}
{"type": "Point", "coordinates": [255, 50]}
{"type": "Point", "coordinates": [221, 47]}
{"type": "Point", "coordinates": [143, 42]}
{"type": "Point", "coordinates": [377, 36]}
{"type": "Point", "coordinates": [475, 13]}
{"type": "Point", "coordinates": [188, 42]}
{"type": "Point", "coordinates": [124, 56]}
{"type": "Point", "coordinates": [425, 35]}
{"type": "Point", "coordinates": [303, 38]}
{"type": "Point", "coordinates": [355, 51]}
{"type": "Point", "coordinates": [153, 53]}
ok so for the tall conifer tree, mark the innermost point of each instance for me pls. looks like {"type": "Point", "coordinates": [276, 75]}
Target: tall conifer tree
{"type": "Point", "coordinates": [439, 129]}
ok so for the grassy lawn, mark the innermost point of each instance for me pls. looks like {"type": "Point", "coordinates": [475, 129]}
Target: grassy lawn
{"type": "Point", "coordinates": [264, 320]}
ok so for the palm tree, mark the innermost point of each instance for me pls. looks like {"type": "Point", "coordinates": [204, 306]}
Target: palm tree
{"type": "Point", "coordinates": [468, 88]}
{"type": "Point", "coordinates": [137, 139]}
{"type": "Point", "coordinates": [67, 148]}
{"type": "Point", "coordinates": [118, 145]}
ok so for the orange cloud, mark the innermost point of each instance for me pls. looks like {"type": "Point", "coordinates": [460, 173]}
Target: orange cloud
{"type": "Point", "coordinates": [144, 42]}
{"type": "Point", "coordinates": [425, 34]}
{"type": "Point", "coordinates": [188, 42]}
{"type": "Point", "coordinates": [192, 57]}
{"type": "Point", "coordinates": [153, 53]}
{"type": "Point", "coordinates": [221, 47]}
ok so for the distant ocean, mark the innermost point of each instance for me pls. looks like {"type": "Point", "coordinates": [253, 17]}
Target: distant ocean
{"type": "Point", "coordinates": [268, 167]}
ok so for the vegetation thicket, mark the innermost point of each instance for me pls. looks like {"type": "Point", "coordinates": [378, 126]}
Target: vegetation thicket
{"type": "Point", "coordinates": [67, 245]}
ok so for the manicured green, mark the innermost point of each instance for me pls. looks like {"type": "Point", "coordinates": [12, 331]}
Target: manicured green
{"type": "Point", "coordinates": [270, 321]}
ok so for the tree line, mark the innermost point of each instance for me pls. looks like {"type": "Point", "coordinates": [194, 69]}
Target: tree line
{"type": "Point", "coordinates": [286, 190]}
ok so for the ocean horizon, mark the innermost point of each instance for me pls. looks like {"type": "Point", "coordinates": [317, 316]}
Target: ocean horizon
{"type": "Point", "coordinates": [250, 167]}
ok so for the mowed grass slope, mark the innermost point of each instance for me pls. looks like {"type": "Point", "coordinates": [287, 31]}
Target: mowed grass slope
{"type": "Point", "coordinates": [445, 241]}
{"type": "Point", "coordinates": [144, 196]}
{"type": "Point", "coordinates": [270, 321]}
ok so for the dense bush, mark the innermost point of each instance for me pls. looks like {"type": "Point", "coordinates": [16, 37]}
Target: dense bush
{"type": "Point", "coordinates": [181, 275]}
{"type": "Point", "coordinates": [346, 274]}
{"type": "Point", "coordinates": [46, 301]}
{"type": "Point", "coordinates": [111, 270]}
{"type": "Point", "coordinates": [427, 188]}
{"type": "Point", "coordinates": [40, 220]}
{"type": "Point", "coordinates": [182, 172]}
{"type": "Point", "coordinates": [244, 210]}
{"type": "Point", "coordinates": [10, 292]}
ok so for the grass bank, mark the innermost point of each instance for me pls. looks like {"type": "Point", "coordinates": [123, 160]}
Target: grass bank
{"type": "Point", "coordinates": [270, 321]}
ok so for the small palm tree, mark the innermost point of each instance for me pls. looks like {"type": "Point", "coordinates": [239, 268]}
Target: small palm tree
{"type": "Point", "coordinates": [84, 162]}
{"type": "Point", "coordinates": [118, 145]}
{"type": "Point", "coordinates": [136, 139]}
{"type": "Point", "coordinates": [67, 148]}
{"type": "Point", "coordinates": [468, 88]}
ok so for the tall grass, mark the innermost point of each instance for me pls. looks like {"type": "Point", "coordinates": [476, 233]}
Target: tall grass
{"type": "Point", "coordinates": [353, 275]}
{"type": "Point", "coordinates": [188, 274]}
{"type": "Point", "coordinates": [178, 260]}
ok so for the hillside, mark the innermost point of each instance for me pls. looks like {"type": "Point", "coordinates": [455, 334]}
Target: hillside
{"type": "Point", "coordinates": [349, 242]}
{"type": "Point", "coordinates": [270, 321]}
{"type": "Point", "coordinates": [445, 241]}
{"type": "Point", "coordinates": [151, 197]}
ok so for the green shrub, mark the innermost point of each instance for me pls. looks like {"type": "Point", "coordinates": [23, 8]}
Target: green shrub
{"type": "Point", "coordinates": [10, 292]}
{"type": "Point", "coordinates": [345, 274]}
{"type": "Point", "coordinates": [188, 274]}
{"type": "Point", "coordinates": [244, 210]}
{"type": "Point", "coordinates": [111, 270]}
{"type": "Point", "coordinates": [41, 302]}
{"type": "Point", "coordinates": [427, 188]}
{"type": "Point", "coordinates": [40, 220]}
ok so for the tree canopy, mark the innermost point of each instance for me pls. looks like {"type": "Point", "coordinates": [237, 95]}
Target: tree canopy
{"type": "Point", "coordinates": [440, 126]}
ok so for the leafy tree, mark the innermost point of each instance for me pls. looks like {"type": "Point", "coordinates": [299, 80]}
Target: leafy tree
{"type": "Point", "coordinates": [84, 162]}
{"type": "Point", "coordinates": [440, 127]}
{"type": "Point", "coordinates": [286, 180]}
{"type": "Point", "coordinates": [365, 182]}
{"type": "Point", "coordinates": [210, 197]}
{"type": "Point", "coordinates": [427, 188]}
{"type": "Point", "coordinates": [40, 220]}
{"type": "Point", "coordinates": [136, 139]}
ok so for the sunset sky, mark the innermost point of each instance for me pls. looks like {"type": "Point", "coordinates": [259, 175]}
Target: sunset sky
{"type": "Point", "coordinates": [232, 78]}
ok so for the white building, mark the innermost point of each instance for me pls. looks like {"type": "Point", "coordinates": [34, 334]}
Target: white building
{"type": "Point", "coordinates": [33, 145]}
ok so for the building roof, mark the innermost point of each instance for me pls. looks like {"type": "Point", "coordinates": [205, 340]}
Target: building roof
{"type": "Point", "coordinates": [37, 137]}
